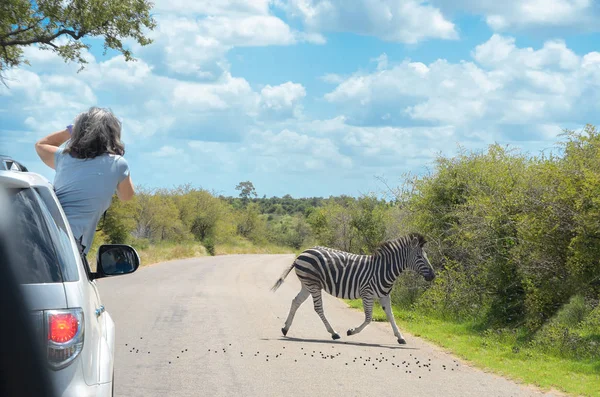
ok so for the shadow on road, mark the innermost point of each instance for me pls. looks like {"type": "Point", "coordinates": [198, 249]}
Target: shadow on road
{"type": "Point", "coordinates": [330, 342]}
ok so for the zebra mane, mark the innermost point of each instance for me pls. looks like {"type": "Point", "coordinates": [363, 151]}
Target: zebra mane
{"type": "Point", "coordinates": [402, 241]}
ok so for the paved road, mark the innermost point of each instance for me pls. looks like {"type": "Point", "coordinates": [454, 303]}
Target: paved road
{"type": "Point", "coordinates": [211, 327]}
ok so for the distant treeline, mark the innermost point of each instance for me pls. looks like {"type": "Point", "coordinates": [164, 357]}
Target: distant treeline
{"type": "Point", "coordinates": [515, 238]}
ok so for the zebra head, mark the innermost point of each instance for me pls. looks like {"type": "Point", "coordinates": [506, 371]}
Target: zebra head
{"type": "Point", "coordinates": [418, 260]}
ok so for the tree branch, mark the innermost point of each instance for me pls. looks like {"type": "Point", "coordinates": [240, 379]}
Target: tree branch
{"type": "Point", "coordinates": [23, 30]}
{"type": "Point", "coordinates": [45, 40]}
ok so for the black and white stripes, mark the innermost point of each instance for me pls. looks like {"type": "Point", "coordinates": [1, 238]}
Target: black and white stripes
{"type": "Point", "coordinates": [346, 275]}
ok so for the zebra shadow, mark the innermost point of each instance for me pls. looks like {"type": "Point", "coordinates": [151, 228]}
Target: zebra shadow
{"type": "Point", "coordinates": [340, 342]}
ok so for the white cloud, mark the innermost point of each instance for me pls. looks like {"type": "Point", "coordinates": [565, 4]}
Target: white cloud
{"type": "Point", "coordinates": [51, 94]}
{"type": "Point", "coordinates": [294, 151]}
{"type": "Point", "coordinates": [528, 14]}
{"type": "Point", "coordinates": [227, 92]}
{"type": "Point", "coordinates": [404, 21]}
{"type": "Point", "coordinates": [504, 85]}
{"type": "Point", "coordinates": [167, 151]}
{"type": "Point", "coordinates": [502, 52]}
{"type": "Point", "coordinates": [283, 96]}
{"type": "Point", "coordinates": [212, 7]}
{"type": "Point", "coordinates": [193, 38]}
{"type": "Point", "coordinates": [332, 78]}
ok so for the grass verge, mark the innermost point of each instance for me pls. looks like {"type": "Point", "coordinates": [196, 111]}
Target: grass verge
{"type": "Point", "coordinates": [167, 252]}
{"type": "Point", "coordinates": [488, 353]}
{"type": "Point", "coordinates": [244, 246]}
{"type": "Point", "coordinates": [155, 253]}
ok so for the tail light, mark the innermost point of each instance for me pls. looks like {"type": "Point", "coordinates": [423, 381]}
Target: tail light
{"type": "Point", "coordinates": [64, 336]}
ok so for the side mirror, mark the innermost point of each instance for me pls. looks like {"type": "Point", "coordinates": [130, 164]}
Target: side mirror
{"type": "Point", "coordinates": [116, 259]}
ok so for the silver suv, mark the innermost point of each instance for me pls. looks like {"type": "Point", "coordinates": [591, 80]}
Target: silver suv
{"type": "Point", "coordinates": [77, 333]}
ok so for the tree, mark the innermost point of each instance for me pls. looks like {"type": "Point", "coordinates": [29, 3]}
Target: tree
{"type": "Point", "coordinates": [49, 22]}
{"type": "Point", "coordinates": [246, 190]}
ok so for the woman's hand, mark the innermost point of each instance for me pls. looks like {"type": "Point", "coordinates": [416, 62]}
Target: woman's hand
{"type": "Point", "coordinates": [48, 145]}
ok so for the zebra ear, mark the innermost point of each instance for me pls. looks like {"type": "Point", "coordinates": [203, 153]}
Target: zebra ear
{"type": "Point", "coordinates": [415, 242]}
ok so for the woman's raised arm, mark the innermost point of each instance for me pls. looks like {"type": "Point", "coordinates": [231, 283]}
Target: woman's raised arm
{"type": "Point", "coordinates": [48, 145]}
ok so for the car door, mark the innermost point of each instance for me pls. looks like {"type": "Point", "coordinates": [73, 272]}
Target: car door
{"type": "Point", "coordinates": [80, 293]}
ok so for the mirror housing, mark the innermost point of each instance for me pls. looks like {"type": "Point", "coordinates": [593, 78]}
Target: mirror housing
{"type": "Point", "coordinates": [115, 260]}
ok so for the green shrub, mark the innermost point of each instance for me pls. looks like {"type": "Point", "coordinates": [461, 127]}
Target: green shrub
{"type": "Point", "coordinates": [454, 295]}
{"type": "Point", "coordinates": [209, 244]}
{"type": "Point", "coordinates": [574, 331]}
{"type": "Point", "coordinates": [408, 289]}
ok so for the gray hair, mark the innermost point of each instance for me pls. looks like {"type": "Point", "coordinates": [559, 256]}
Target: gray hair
{"type": "Point", "coordinates": [95, 132]}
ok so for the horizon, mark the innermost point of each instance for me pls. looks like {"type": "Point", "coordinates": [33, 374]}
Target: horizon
{"type": "Point", "coordinates": [316, 101]}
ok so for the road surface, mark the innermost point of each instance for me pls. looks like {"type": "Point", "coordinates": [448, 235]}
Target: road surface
{"type": "Point", "coordinates": [211, 327]}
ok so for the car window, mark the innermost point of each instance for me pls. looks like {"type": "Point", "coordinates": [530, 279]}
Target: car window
{"type": "Point", "coordinates": [37, 240]}
{"type": "Point", "coordinates": [60, 234]}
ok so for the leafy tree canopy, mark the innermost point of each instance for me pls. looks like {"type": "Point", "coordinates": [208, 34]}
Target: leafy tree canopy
{"type": "Point", "coordinates": [59, 26]}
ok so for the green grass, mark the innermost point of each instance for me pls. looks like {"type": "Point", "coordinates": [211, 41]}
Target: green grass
{"type": "Point", "coordinates": [167, 251]}
{"type": "Point", "coordinates": [244, 246]}
{"type": "Point", "coordinates": [489, 353]}
{"type": "Point", "coordinates": [156, 253]}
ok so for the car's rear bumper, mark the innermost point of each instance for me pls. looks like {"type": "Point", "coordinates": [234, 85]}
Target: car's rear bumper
{"type": "Point", "coordinates": [83, 390]}
{"type": "Point", "coordinates": [69, 382]}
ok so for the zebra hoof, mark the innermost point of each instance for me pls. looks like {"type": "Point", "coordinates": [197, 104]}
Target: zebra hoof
{"type": "Point", "coordinates": [284, 331]}
{"type": "Point", "coordinates": [401, 341]}
{"type": "Point", "coordinates": [350, 332]}
{"type": "Point", "coordinates": [335, 336]}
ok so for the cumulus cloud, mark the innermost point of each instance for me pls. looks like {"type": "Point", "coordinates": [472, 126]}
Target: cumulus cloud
{"type": "Point", "coordinates": [193, 37]}
{"type": "Point", "coordinates": [403, 21]}
{"type": "Point", "coordinates": [528, 14]}
{"type": "Point", "coordinates": [167, 151]}
{"type": "Point", "coordinates": [503, 85]}
{"type": "Point", "coordinates": [282, 101]}
{"type": "Point", "coordinates": [212, 7]}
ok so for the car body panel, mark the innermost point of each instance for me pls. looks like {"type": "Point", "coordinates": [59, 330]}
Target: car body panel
{"type": "Point", "coordinates": [81, 294]}
{"type": "Point", "coordinates": [45, 296]}
{"type": "Point", "coordinates": [91, 373]}
{"type": "Point", "coordinates": [107, 349]}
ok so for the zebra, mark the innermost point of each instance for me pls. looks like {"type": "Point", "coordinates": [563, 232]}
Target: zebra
{"type": "Point", "coordinates": [351, 276]}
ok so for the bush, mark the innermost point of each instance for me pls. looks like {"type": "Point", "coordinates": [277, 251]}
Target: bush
{"type": "Point", "coordinates": [574, 332]}
{"type": "Point", "coordinates": [209, 244]}
{"type": "Point", "coordinates": [573, 313]}
{"type": "Point", "coordinates": [408, 289]}
{"type": "Point", "coordinates": [454, 295]}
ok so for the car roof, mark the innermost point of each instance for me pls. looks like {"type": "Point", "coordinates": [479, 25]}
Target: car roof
{"type": "Point", "coordinates": [14, 175]}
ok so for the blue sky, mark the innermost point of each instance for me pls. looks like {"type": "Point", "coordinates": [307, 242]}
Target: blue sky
{"type": "Point", "coordinates": [321, 97]}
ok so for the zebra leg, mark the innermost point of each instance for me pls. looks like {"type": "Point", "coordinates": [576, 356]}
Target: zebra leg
{"type": "Point", "coordinates": [296, 302]}
{"type": "Point", "coordinates": [368, 306]}
{"type": "Point", "coordinates": [386, 304]}
{"type": "Point", "coordinates": [318, 303]}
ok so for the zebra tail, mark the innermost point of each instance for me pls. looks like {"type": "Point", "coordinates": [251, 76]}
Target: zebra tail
{"type": "Point", "coordinates": [283, 276]}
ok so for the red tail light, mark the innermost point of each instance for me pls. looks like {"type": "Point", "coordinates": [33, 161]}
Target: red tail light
{"type": "Point", "coordinates": [62, 327]}
{"type": "Point", "coordinates": [65, 336]}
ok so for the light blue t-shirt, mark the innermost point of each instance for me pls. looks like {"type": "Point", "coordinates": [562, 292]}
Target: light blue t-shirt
{"type": "Point", "coordinates": [85, 188]}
